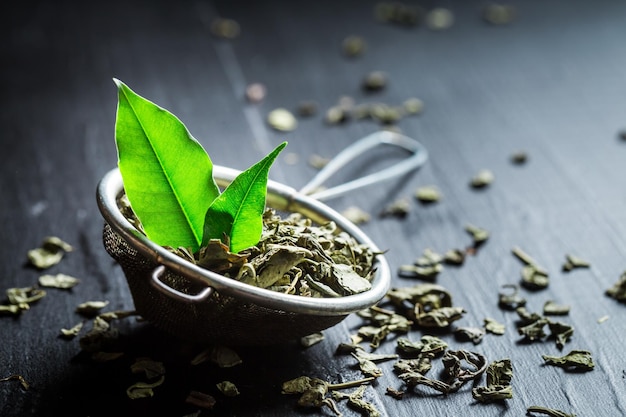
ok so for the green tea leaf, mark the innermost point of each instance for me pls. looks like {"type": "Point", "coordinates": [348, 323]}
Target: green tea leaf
{"type": "Point", "coordinates": [168, 176]}
{"type": "Point", "coordinates": [238, 211]}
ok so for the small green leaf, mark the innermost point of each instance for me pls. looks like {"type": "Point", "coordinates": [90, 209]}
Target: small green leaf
{"type": "Point", "coordinates": [167, 175]}
{"type": "Point", "coordinates": [238, 211]}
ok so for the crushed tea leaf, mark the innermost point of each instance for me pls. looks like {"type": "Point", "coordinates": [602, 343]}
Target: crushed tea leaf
{"type": "Point", "coordinates": [282, 120]}
{"type": "Point", "coordinates": [58, 281]}
{"type": "Point", "coordinates": [482, 179]}
{"type": "Point", "coordinates": [200, 399]}
{"type": "Point", "coordinates": [551, 412]}
{"type": "Point", "coordinates": [428, 194]}
{"type": "Point", "coordinates": [499, 375]}
{"type": "Point", "coordinates": [228, 388]}
{"type": "Point", "coordinates": [551, 308]}
{"type": "Point", "coordinates": [493, 326]}
{"type": "Point", "coordinates": [17, 377]}
{"type": "Point", "coordinates": [73, 331]}
{"type": "Point", "coordinates": [375, 81]}
{"type": "Point", "coordinates": [356, 215]}
{"type": "Point", "coordinates": [618, 290]}
{"type": "Point", "coordinates": [572, 262]}
{"type": "Point", "coordinates": [312, 339]}
{"type": "Point", "coordinates": [143, 389]}
{"type": "Point", "coordinates": [151, 368]}
{"type": "Point", "coordinates": [353, 46]}
{"type": "Point", "coordinates": [398, 208]}
{"type": "Point", "coordinates": [473, 334]}
{"type": "Point", "coordinates": [50, 252]}
{"type": "Point", "coordinates": [576, 360]}
{"type": "Point", "coordinates": [90, 308]}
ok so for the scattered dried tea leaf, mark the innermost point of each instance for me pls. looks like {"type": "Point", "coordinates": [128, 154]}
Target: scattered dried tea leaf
{"type": "Point", "coordinates": [413, 106]}
{"type": "Point", "coordinates": [551, 308]}
{"type": "Point", "coordinates": [282, 120]}
{"type": "Point", "coordinates": [533, 278]}
{"type": "Point", "coordinates": [312, 339]}
{"type": "Point", "coordinates": [493, 326]}
{"type": "Point", "coordinates": [200, 399]}
{"type": "Point", "coordinates": [429, 272]}
{"type": "Point", "coordinates": [618, 290]}
{"type": "Point", "coordinates": [143, 389]}
{"type": "Point", "coordinates": [394, 393]}
{"type": "Point", "coordinates": [551, 412]}
{"type": "Point", "coordinates": [99, 337]}
{"type": "Point", "coordinates": [225, 28]}
{"type": "Point", "coordinates": [603, 319]}
{"type": "Point", "coordinates": [527, 259]}
{"type": "Point", "coordinates": [499, 14]}
{"type": "Point", "coordinates": [440, 317]}
{"type": "Point", "coordinates": [16, 377]}
{"type": "Point", "coordinates": [474, 334]}
{"type": "Point", "coordinates": [482, 179]}
{"type": "Point", "coordinates": [427, 345]}
{"type": "Point", "coordinates": [479, 235]}
{"type": "Point", "coordinates": [356, 215]}
{"type": "Point", "coordinates": [572, 262]}
{"type": "Point", "coordinates": [454, 257]}
{"type": "Point", "coordinates": [24, 296]}
{"type": "Point", "coordinates": [398, 208]}
{"type": "Point", "coordinates": [12, 309]}
{"type": "Point", "coordinates": [421, 365]}
{"type": "Point", "coordinates": [561, 332]}
{"type": "Point", "coordinates": [439, 19]}
{"type": "Point", "coordinates": [255, 92]}
{"type": "Point", "coordinates": [428, 194]}
{"type": "Point", "coordinates": [228, 388]}
{"type": "Point", "coordinates": [50, 252]}
{"type": "Point", "coordinates": [73, 331]}
{"type": "Point", "coordinates": [519, 158]}
{"type": "Point", "coordinates": [356, 401]}
{"type": "Point", "coordinates": [106, 356]}
{"type": "Point", "coordinates": [499, 375]}
{"type": "Point", "coordinates": [375, 81]}
{"type": "Point", "coordinates": [90, 308]}
{"type": "Point", "coordinates": [150, 367]}
{"type": "Point", "coordinates": [510, 300]}
{"type": "Point", "coordinates": [116, 315]}
{"type": "Point", "coordinates": [576, 360]}
{"type": "Point", "coordinates": [224, 357]}
{"type": "Point", "coordinates": [58, 281]}
{"type": "Point", "coordinates": [318, 161]}
{"type": "Point", "coordinates": [353, 46]}
{"type": "Point", "coordinates": [398, 13]}
{"type": "Point", "coordinates": [307, 108]}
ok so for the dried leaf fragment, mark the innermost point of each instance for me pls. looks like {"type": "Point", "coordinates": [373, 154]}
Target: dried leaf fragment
{"type": "Point", "coordinates": [474, 334]}
{"type": "Point", "coordinates": [16, 377]}
{"type": "Point", "coordinates": [24, 296]}
{"type": "Point", "coordinates": [479, 235]}
{"type": "Point", "coordinates": [572, 262]}
{"type": "Point", "coordinates": [618, 290]}
{"type": "Point", "coordinates": [90, 308]}
{"type": "Point", "coordinates": [282, 120]}
{"type": "Point", "coordinates": [482, 179]}
{"type": "Point", "coordinates": [576, 360]}
{"type": "Point", "coordinates": [534, 278]}
{"type": "Point", "coordinates": [228, 388]}
{"type": "Point", "coordinates": [151, 368]}
{"type": "Point", "coordinates": [73, 331]}
{"type": "Point", "coordinates": [548, 411]}
{"type": "Point", "coordinates": [510, 300]}
{"type": "Point", "coordinates": [494, 326]}
{"type": "Point", "coordinates": [499, 375]}
{"type": "Point", "coordinates": [353, 46]}
{"type": "Point", "coordinates": [50, 252]}
{"type": "Point", "coordinates": [356, 215]}
{"type": "Point", "coordinates": [100, 335]}
{"type": "Point", "coordinates": [62, 281]}
{"type": "Point", "coordinates": [551, 308]}
{"type": "Point", "coordinates": [200, 399]}
{"type": "Point", "coordinates": [428, 194]}
{"type": "Point", "coordinates": [398, 208]}
{"type": "Point", "coordinates": [143, 389]}
{"type": "Point", "coordinates": [312, 339]}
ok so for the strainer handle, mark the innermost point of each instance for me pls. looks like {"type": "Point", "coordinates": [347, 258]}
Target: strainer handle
{"type": "Point", "coordinates": [165, 289]}
{"type": "Point", "coordinates": [415, 161]}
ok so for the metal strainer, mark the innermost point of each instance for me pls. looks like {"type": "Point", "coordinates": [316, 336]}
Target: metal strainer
{"type": "Point", "coordinates": [196, 304]}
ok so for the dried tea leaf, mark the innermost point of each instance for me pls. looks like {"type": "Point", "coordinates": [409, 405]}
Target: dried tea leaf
{"type": "Point", "coordinates": [430, 296]}
{"type": "Point", "coordinates": [312, 339]}
{"type": "Point", "coordinates": [368, 367]}
{"type": "Point", "coordinates": [510, 300]}
{"type": "Point", "coordinates": [353, 46]}
{"type": "Point", "coordinates": [225, 28]}
{"type": "Point", "coordinates": [318, 161]}
{"type": "Point", "coordinates": [440, 317]}
{"type": "Point", "coordinates": [150, 367]}
{"type": "Point", "coordinates": [398, 208]}
{"type": "Point", "coordinates": [493, 326]}
{"type": "Point", "coordinates": [428, 194]}
{"type": "Point", "coordinates": [228, 388]}
{"type": "Point", "coordinates": [482, 179]}
{"type": "Point", "coordinates": [422, 364]}
{"type": "Point", "coordinates": [413, 106]}
{"type": "Point", "coordinates": [348, 280]}
{"type": "Point", "coordinates": [499, 375]}
{"type": "Point", "coordinates": [356, 215]}
{"type": "Point", "coordinates": [99, 337]}
{"type": "Point", "coordinates": [519, 157]}
{"type": "Point", "coordinates": [12, 309]}
{"type": "Point", "coordinates": [90, 308]}
{"type": "Point", "coordinates": [23, 296]}
{"type": "Point", "coordinates": [428, 272]}
{"type": "Point", "coordinates": [282, 120]}
{"type": "Point", "coordinates": [394, 393]}
{"type": "Point", "coordinates": [474, 334]}
{"type": "Point", "coordinates": [16, 377]}
{"type": "Point", "coordinates": [572, 262]}
{"type": "Point", "coordinates": [224, 357]}
{"type": "Point", "coordinates": [439, 19]}
{"type": "Point", "coordinates": [50, 252]}
{"type": "Point", "coordinates": [533, 278]}
{"type": "Point", "coordinates": [478, 234]}
{"type": "Point", "coordinates": [73, 331]}
{"type": "Point", "coordinates": [307, 108]}
{"type": "Point", "coordinates": [535, 330]}
{"type": "Point", "coordinates": [200, 399]}
{"type": "Point", "coordinates": [499, 14]}
{"type": "Point", "coordinates": [618, 290]}
{"type": "Point", "coordinates": [58, 281]}
{"type": "Point", "coordinates": [454, 257]}
{"type": "Point", "coordinates": [603, 319]}
{"type": "Point", "coordinates": [375, 81]}
{"type": "Point", "coordinates": [398, 13]}
{"type": "Point", "coordinates": [551, 308]}
{"type": "Point", "coordinates": [528, 260]}
{"type": "Point", "coordinates": [109, 316]}
{"type": "Point", "coordinates": [576, 360]}
{"type": "Point", "coordinates": [551, 412]}
{"type": "Point", "coordinates": [106, 356]}
{"type": "Point", "coordinates": [143, 389]}
{"type": "Point", "coordinates": [561, 332]}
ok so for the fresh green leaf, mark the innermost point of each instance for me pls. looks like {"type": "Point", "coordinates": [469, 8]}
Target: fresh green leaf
{"type": "Point", "coordinates": [168, 176]}
{"type": "Point", "coordinates": [238, 211]}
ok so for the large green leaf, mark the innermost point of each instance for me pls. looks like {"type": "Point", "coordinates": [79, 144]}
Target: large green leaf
{"type": "Point", "coordinates": [238, 211]}
{"type": "Point", "coordinates": [167, 175]}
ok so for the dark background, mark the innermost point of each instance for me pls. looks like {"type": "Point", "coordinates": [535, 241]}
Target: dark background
{"type": "Point", "coordinates": [552, 83]}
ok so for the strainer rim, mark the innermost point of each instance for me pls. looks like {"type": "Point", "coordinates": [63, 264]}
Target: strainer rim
{"type": "Point", "coordinates": [281, 197]}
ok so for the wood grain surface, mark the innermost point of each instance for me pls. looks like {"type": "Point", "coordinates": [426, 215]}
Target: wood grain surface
{"type": "Point", "coordinates": [551, 83]}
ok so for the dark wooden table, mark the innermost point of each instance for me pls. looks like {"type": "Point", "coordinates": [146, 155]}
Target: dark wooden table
{"type": "Point", "coordinates": [551, 83]}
